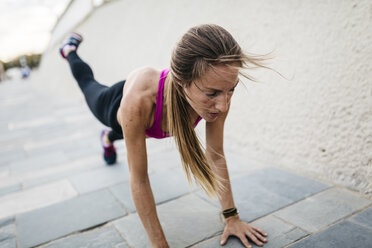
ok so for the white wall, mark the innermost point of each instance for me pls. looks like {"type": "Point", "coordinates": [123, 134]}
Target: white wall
{"type": "Point", "coordinates": [77, 11]}
{"type": "Point", "coordinates": [318, 123]}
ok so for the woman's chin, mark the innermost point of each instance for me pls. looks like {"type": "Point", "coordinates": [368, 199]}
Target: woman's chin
{"type": "Point", "coordinates": [210, 117]}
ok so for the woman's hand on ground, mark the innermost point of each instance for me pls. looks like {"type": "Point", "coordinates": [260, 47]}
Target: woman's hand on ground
{"type": "Point", "coordinates": [242, 230]}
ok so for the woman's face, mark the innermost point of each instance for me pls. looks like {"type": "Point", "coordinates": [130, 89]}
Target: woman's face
{"type": "Point", "coordinates": [211, 95]}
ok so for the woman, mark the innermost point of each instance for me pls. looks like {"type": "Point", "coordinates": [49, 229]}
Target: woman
{"type": "Point", "coordinates": [203, 74]}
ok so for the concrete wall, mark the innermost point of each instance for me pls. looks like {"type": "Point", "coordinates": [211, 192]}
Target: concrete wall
{"type": "Point", "coordinates": [319, 122]}
{"type": "Point", "coordinates": [75, 13]}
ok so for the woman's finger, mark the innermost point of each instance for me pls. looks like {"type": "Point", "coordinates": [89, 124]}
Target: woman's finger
{"type": "Point", "coordinates": [260, 231]}
{"type": "Point", "coordinates": [259, 236]}
{"type": "Point", "coordinates": [224, 238]}
{"type": "Point", "coordinates": [254, 239]}
{"type": "Point", "coordinates": [245, 242]}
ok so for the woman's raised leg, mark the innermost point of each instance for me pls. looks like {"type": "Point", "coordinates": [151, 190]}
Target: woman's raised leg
{"type": "Point", "coordinates": [103, 101]}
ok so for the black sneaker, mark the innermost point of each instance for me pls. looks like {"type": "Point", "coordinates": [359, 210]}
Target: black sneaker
{"type": "Point", "coordinates": [109, 151]}
{"type": "Point", "coordinates": [74, 39]}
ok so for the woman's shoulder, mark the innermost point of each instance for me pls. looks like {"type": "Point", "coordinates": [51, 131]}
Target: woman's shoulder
{"type": "Point", "coordinates": [140, 90]}
{"type": "Point", "coordinates": [145, 76]}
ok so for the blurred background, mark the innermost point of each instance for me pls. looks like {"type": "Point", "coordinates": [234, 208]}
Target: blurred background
{"type": "Point", "coordinates": [317, 121]}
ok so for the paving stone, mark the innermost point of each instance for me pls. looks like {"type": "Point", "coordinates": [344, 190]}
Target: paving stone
{"type": "Point", "coordinates": [8, 243]}
{"type": "Point", "coordinates": [62, 144]}
{"type": "Point", "coordinates": [252, 200]}
{"type": "Point", "coordinates": [74, 154]}
{"type": "Point", "coordinates": [38, 162]}
{"type": "Point", "coordinates": [46, 224]}
{"type": "Point", "coordinates": [279, 233]}
{"type": "Point", "coordinates": [7, 155]}
{"type": "Point", "coordinates": [37, 122]}
{"type": "Point", "coordinates": [70, 110]}
{"type": "Point", "coordinates": [10, 189]}
{"type": "Point", "coordinates": [100, 178]}
{"type": "Point", "coordinates": [7, 232]}
{"type": "Point", "coordinates": [286, 184]}
{"type": "Point", "coordinates": [268, 190]}
{"type": "Point", "coordinates": [38, 197]}
{"type": "Point", "coordinates": [185, 221]}
{"type": "Point", "coordinates": [105, 237]}
{"type": "Point", "coordinates": [60, 171]}
{"type": "Point", "coordinates": [9, 181]}
{"type": "Point", "coordinates": [6, 221]}
{"type": "Point", "coordinates": [164, 159]}
{"type": "Point", "coordinates": [4, 171]}
{"type": "Point", "coordinates": [239, 165]}
{"type": "Point", "coordinates": [165, 185]}
{"type": "Point", "coordinates": [12, 136]}
{"type": "Point", "coordinates": [157, 148]}
{"type": "Point", "coordinates": [364, 218]}
{"type": "Point", "coordinates": [62, 135]}
{"type": "Point", "coordinates": [344, 234]}
{"type": "Point", "coordinates": [232, 242]}
{"type": "Point", "coordinates": [323, 209]}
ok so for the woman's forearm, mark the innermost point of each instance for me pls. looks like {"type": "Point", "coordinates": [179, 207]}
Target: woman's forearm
{"type": "Point", "coordinates": [146, 209]}
{"type": "Point", "coordinates": [220, 168]}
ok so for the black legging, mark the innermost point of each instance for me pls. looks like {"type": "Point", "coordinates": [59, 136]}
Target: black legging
{"type": "Point", "coordinates": [102, 100]}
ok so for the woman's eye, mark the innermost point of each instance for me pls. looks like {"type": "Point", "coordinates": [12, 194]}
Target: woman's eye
{"type": "Point", "coordinates": [212, 95]}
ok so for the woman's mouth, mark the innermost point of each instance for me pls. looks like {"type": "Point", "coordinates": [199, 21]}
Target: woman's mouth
{"type": "Point", "coordinates": [213, 115]}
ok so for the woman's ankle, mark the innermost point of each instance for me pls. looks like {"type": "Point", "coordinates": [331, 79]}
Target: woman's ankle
{"type": "Point", "coordinates": [106, 139]}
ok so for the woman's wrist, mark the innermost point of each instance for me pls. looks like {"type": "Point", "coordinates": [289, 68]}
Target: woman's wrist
{"type": "Point", "coordinates": [232, 219]}
{"type": "Point", "coordinates": [230, 212]}
{"type": "Point", "coordinates": [230, 215]}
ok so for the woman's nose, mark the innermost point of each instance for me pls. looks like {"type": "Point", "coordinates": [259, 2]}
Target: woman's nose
{"type": "Point", "coordinates": [222, 103]}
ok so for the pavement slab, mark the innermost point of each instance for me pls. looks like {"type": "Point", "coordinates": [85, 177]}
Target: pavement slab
{"type": "Point", "coordinates": [56, 221]}
{"type": "Point", "coordinates": [7, 233]}
{"type": "Point", "coordinates": [323, 209]}
{"type": "Point", "coordinates": [6, 221]}
{"type": "Point", "coordinates": [166, 185]}
{"type": "Point", "coordinates": [10, 189]}
{"type": "Point", "coordinates": [9, 243]}
{"type": "Point", "coordinates": [164, 159]}
{"type": "Point", "coordinates": [344, 234]}
{"type": "Point", "coordinates": [239, 166]}
{"type": "Point", "coordinates": [60, 171]}
{"type": "Point", "coordinates": [36, 162]}
{"type": "Point", "coordinates": [185, 221]}
{"type": "Point", "coordinates": [34, 198]}
{"type": "Point", "coordinates": [100, 178]}
{"type": "Point", "coordinates": [105, 237]}
{"type": "Point", "coordinates": [364, 218]}
{"type": "Point", "coordinates": [8, 155]}
{"type": "Point", "coordinates": [268, 190]}
{"type": "Point", "coordinates": [280, 234]}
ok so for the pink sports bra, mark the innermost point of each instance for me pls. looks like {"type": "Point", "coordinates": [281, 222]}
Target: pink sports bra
{"type": "Point", "coordinates": [155, 131]}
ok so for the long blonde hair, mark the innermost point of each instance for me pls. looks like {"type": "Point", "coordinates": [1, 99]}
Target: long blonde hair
{"type": "Point", "coordinates": [200, 48]}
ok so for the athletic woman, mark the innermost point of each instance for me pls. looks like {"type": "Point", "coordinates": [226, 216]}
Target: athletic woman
{"type": "Point", "coordinates": [199, 84]}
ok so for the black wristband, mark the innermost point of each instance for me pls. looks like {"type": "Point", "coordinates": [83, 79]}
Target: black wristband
{"type": "Point", "coordinates": [229, 212]}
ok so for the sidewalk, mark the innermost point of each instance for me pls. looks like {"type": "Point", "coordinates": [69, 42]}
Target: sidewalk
{"type": "Point", "coordinates": [56, 191]}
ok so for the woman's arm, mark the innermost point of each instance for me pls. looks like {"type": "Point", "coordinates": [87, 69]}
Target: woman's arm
{"type": "Point", "coordinates": [132, 121]}
{"type": "Point", "coordinates": [234, 226]}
